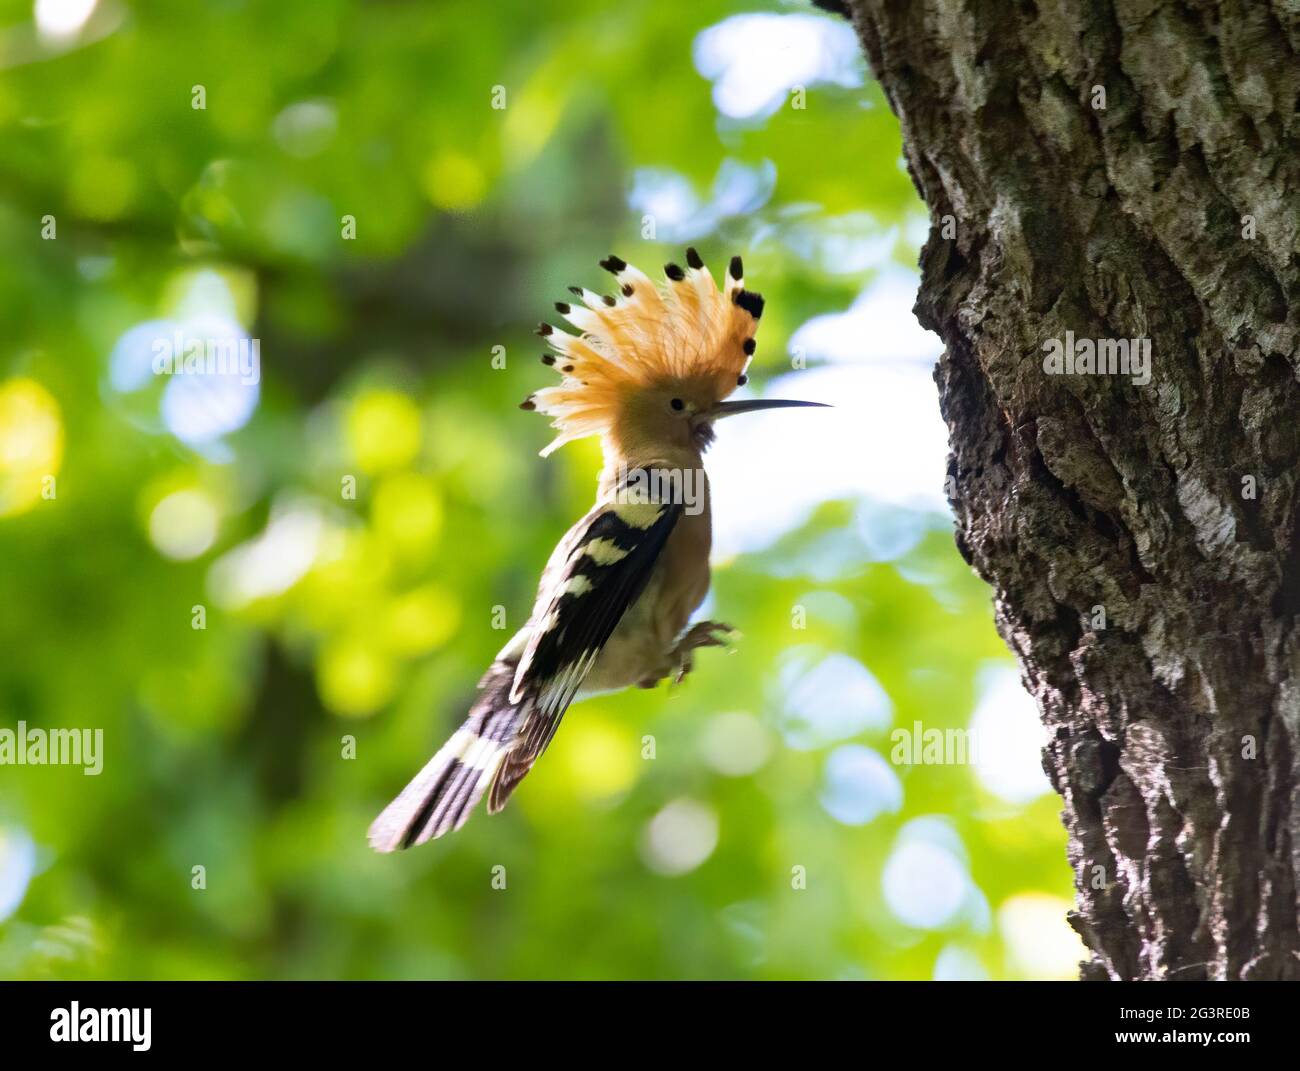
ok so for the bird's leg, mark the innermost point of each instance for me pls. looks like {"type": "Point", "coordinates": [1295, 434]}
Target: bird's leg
{"type": "Point", "coordinates": [701, 634]}
{"type": "Point", "coordinates": [680, 660]}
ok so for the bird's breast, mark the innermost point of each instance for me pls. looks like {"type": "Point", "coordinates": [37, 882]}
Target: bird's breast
{"type": "Point", "coordinates": [639, 647]}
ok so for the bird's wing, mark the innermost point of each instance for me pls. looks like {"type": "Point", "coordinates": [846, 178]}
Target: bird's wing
{"type": "Point", "coordinates": [602, 566]}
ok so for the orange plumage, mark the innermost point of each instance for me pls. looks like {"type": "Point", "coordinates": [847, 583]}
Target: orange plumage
{"type": "Point", "coordinates": [687, 333]}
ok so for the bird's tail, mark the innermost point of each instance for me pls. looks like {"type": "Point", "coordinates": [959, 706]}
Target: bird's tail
{"type": "Point", "coordinates": [440, 797]}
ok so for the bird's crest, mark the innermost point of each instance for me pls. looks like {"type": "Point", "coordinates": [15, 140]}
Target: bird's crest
{"type": "Point", "coordinates": [646, 335]}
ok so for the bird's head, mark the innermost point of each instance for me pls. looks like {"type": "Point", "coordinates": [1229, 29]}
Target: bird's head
{"type": "Point", "coordinates": [652, 366]}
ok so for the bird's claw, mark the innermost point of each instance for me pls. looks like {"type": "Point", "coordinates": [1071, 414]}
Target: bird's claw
{"type": "Point", "coordinates": [701, 634]}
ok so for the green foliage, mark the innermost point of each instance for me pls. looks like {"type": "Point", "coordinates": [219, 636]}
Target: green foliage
{"type": "Point", "coordinates": [331, 617]}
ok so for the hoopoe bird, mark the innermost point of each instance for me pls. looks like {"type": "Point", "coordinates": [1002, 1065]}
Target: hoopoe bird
{"type": "Point", "coordinates": [648, 372]}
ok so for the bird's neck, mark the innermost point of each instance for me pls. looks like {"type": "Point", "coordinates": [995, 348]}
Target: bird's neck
{"type": "Point", "coordinates": [668, 467]}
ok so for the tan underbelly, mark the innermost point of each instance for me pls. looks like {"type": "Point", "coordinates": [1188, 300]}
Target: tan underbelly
{"type": "Point", "coordinates": [634, 650]}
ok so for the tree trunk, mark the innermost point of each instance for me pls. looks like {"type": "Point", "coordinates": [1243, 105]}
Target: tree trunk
{"type": "Point", "coordinates": [1129, 171]}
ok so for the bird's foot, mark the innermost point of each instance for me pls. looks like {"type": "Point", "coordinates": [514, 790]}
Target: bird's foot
{"type": "Point", "coordinates": [701, 634]}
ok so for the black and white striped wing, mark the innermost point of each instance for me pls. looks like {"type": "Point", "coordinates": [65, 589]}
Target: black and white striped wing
{"type": "Point", "coordinates": [610, 557]}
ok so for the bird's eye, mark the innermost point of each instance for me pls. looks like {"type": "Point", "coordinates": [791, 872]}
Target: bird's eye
{"type": "Point", "coordinates": [678, 404]}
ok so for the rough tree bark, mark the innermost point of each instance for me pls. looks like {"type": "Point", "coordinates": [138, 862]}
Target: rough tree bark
{"type": "Point", "coordinates": [1170, 213]}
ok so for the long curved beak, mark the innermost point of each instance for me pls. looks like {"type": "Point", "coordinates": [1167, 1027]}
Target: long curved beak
{"type": "Point", "coordinates": [726, 409]}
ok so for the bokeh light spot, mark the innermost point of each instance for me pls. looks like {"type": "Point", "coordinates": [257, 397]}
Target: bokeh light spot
{"type": "Point", "coordinates": [454, 181]}
{"type": "Point", "coordinates": [957, 964]}
{"type": "Point", "coordinates": [407, 512]}
{"type": "Point", "coordinates": [183, 525]}
{"type": "Point", "coordinates": [17, 866]}
{"type": "Point", "coordinates": [272, 562]}
{"type": "Point", "coordinates": [1009, 738]}
{"type": "Point", "coordinates": [305, 128]}
{"type": "Point", "coordinates": [422, 620]}
{"type": "Point", "coordinates": [103, 188]}
{"type": "Point", "coordinates": [31, 443]}
{"type": "Point", "coordinates": [1039, 941]}
{"type": "Point", "coordinates": [735, 744]}
{"type": "Point", "coordinates": [827, 698]}
{"type": "Point", "coordinates": [355, 678]}
{"type": "Point", "coordinates": [680, 837]}
{"type": "Point", "coordinates": [383, 430]}
{"type": "Point", "coordinates": [925, 880]}
{"type": "Point", "coordinates": [860, 785]}
{"type": "Point", "coordinates": [600, 758]}
{"type": "Point", "coordinates": [754, 60]}
{"type": "Point", "coordinates": [58, 20]}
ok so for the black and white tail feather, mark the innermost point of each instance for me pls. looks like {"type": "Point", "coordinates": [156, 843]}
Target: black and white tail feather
{"type": "Point", "coordinates": [441, 796]}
